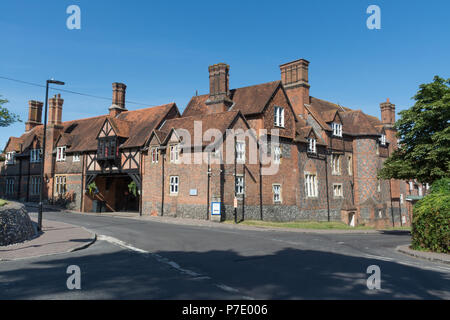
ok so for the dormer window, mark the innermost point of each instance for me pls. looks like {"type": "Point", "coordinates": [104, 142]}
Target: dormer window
{"type": "Point", "coordinates": [11, 158]}
{"type": "Point", "coordinates": [312, 145]}
{"type": "Point", "coordinates": [337, 129]}
{"type": "Point", "coordinates": [383, 140]}
{"type": "Point", "coordinates": [61, 154]}
{"type": "Point", "coordinates": [35, 155]}
{"type": "Point", "coordinates": [279, 117]}
{"type": "Point", "coordinates": [155, 155]}
{"type": "Point", "coordinates": [174, 153]}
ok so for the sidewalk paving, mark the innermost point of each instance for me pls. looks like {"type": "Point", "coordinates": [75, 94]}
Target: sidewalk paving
{"type": "Point", "coordinates": [432, 256]}
{"type": "Point", "coordinates": [57, 237]}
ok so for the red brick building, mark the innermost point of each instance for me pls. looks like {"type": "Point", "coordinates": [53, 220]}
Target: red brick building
{"type": "Point", "coordinates": [268, 151]}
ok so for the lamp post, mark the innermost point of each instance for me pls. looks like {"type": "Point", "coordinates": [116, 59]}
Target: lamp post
{"type": "Point", "coordinates": [43, 152]}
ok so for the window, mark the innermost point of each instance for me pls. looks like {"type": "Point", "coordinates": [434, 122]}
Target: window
{"type": "Point", "coordinates": [401, 198]}
{"type": "Point", "coordinates": [10, 158]}
{"type": "Point", "coordinates": [239, 185]}
{"type": "Point", "coordinates": [335, 164]}
{"type": "Point", "coordinates": [276, 188]}
{"type": "Point", "coordinates": [279, 117]}
{"type": "Point", "coordinates": [411, 187]}
{"type": "Point", "coordinates": [61, 154]}
{"type": "Point", "coordinates": [276, 154]}
{"type": "Point", "coordinates": [174, 153]}
{"type": "Point", "coordinates": [383, 140]}
{"type": "Point", "coordinates": [9, 186]}
{"type": "Point", "coordinates": [379, 186]}
{"type": "Point", "coordinates": [35, 155]}
{"type": "Point", "coordinates": [350, 165]}
{"type": "Point", "coordinates": [60, 185]}
{"type": "Point", "coordinates": [337, 190]}
{"type": "Point", "coordinates": [311, 185]}
{"type": "Point", "coordinates": [155, 155]}
{"type": "Point", "coordinates": [377, 149]}
{"type": "Point", "coordinates": [174, 184]}
{"type": "Point", "coordinates": [35, 186]}
{"type": "Point", "coordinates": [240, 151]}
{"type": "Point", "coordinates": [76, 157]}
{"type": "Point", "coordinates": [312, 145]}
{"type": "Point", "coordinates": [337, 129]}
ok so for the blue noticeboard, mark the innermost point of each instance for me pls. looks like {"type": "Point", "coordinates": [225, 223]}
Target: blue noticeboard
{"type": "Point", "coordinates": [215, 209]}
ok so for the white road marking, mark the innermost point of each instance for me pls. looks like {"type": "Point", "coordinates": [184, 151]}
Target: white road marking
{"type": "Point", "coordinates": [159, 258]}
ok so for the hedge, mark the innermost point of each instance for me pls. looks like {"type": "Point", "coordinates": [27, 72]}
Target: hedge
{"type": "Point", "coordinates": [431, 222]}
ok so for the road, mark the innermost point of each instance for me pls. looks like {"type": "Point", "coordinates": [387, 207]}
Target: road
{"type": "Point", "coordinates": [136, 259]}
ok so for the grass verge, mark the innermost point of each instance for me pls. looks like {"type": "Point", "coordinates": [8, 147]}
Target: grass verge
{"type": "Point", "coordinates": [2, 202]}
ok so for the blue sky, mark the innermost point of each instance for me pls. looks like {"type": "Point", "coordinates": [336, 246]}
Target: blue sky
{"type": "Point", "coordinates": [162, 49]}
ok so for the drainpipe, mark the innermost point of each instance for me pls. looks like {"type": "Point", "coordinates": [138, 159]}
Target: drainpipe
{"type": "Point", "coordinates": [82, 182]}
{"type": "Point", "coordinates": [163, 157]}
{"type": "Point", "coordinates": [235, 177]}
{"type": "Point", "coordinates": [390, 196]}
{"type": "Point", "coordinates": [260, 184]}
{"type": "Point", "coordinates": [208, 186]}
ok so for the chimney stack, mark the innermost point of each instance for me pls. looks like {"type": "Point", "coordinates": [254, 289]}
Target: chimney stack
{"type": "Point", "coordinates": [55, 110]}
{"type": "Point", "coordinates": [34, 114]}
{"type": "Point", "coordinates": [118, 99]}
{"type": "Point", "coordinates": [219, 88]}
{"type": "Point", "coordinates": [294, 76]}
{"type": "Point", "coordinates": [387, 113]}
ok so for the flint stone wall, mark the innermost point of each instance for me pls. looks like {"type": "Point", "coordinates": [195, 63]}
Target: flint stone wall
{"type": "Point", "coordinates": [15, 224]}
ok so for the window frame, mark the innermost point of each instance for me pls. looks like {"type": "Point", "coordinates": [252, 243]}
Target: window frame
{"type": "Point", "coordinates": [61, 156]}
{"type": "Point", "coordinates": [336, 159]}
{"type": "Point", "coordinates": [279, 118]}
{"type": "Point", "coordinates": [174, 185]}
{"type": "Point", "coordinates": [311, 185]}
{"type": "Point", "coordinates": [239, 185]}
{"type": "Point", "coordinates": [154, 155]}
{"type": "Point", "coordinates": [76, 157]}
{"type": "Point", "coordinates": [240, 152]}
{"type": "Point", "coordinates": [337, 129]}
{"type": "Point", "coordinates": [35, 155]}
{"type": "Point", "coordinates": [274, 193]}
{"type": "Point", "coordinates": [340, 188]}
{"type": "Point", "coordinates": [174, 151]}
{"type": "Point", "coordinates": [60, 185]}
{"type": "Point", "coordinates": [10, 158]}
{"type": "Point", "coordinates": [312, 145]}
{"type": "Point", "coordinates": [277, 154]}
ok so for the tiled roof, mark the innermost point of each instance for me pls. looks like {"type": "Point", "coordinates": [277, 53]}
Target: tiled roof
{"type": "Point", "coordinates": [357, 123]}
{"type": "Point", "coordinates": [219, 121]}
{"type": "Point", "coordinates": [248, 100]}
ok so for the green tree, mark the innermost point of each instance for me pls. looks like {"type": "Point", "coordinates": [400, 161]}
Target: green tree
{"type": "Point", "coordinates": [6, 117]}
{"type": "Point", "coordinates": [424, 133]}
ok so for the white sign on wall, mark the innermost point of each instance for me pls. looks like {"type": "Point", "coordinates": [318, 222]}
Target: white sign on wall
{"type": "Point", "coordinates": [215, 209]}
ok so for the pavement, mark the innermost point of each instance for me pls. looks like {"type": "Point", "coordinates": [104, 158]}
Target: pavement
{"type": "Point", "coordinates": [432, 256]}
{"type": "Point", "coordinates": [56, 237]}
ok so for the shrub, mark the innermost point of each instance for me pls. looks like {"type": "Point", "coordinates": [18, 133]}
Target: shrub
{"type": "Point", "coordinates": [431, 222]}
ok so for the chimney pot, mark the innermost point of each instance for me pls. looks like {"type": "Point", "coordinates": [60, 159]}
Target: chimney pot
{"type": "Point", "coordinates": [294, 76]}
{"type": "Point", "coordinates": [34, 114]}
{"type": "Point", "coordinates": [118, 99]}
{"type": "Point", "coordinates": [219, 88]}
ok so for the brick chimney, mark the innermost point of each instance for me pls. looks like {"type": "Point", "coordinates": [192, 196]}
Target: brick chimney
{"type": "Point", "coordinates": [55, 105]}
{"type": "Point", "coordinates": [34, 114]}
{"type": "Point", "coordinates": [294, 76]}
{"type": "Point", "coordinates": [118, 99]}
{"type": "Point", "coordinates": [387, 113]}
{"type": "Point", "coordinates": [219, 88]}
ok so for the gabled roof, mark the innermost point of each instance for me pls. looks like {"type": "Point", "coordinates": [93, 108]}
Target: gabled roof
{"type": "Point", "coordinates": [218, 121]}
{"type": "Point", "coordinates": [249, 100]}
{"type": "Point", "coordinates": [357, 123]}
{"type": "Point", "coordinates": [14, 144]}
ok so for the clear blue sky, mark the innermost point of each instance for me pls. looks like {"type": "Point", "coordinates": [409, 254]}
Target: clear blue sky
{"type": "Point", "coordinates": [161, 49]}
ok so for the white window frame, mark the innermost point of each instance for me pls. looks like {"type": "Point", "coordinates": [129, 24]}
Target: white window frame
{"type": "Point", "coordinates": [279, 116]}
{"type": "Point", "coordinates": [311, 185]}
{"type": "Point", "coordinates": [277, 154]}
{"type": "Point", "coordinates": [379, 185]}
{"type": "Point", "coordinates": [61, 154]}
{"type": "Point", "coordinates": [277, 193]}
{"type": "Point", "coordinates": [336, 169]}
{"type": "Point", "coordinates": [383, 140]}
{"type": "Point", "coordinates": [239, 185]}
{"type": "Point", "coordinates": [174, 153]}
{"type": "Point", "coordinates": [312, 145]}
{"type": "Point", "coordinates": [240, 151]}
{"type": "Point", "coordinates": [154, 155]}
{"type": "Point", "coordinates": [76, 157]}
{"type": "Point", "coordinates": [338, 191]}
{"type": "Point", "coordinates": [174, 185]}
{"type": "Point", "coordinates": [337, 129]}
{"type": "Point", "coordinates": [60, 185]}
{"type": "Point", "coordinates": [10, 158]}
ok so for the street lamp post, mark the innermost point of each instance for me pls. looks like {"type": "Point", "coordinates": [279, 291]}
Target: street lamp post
{"type": "Point", "coordinates": [41, 196]}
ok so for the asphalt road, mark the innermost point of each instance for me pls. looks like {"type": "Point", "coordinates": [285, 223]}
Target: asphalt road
{"type": "Point", "coordinates": [135, 259]}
